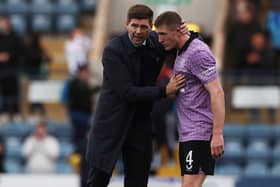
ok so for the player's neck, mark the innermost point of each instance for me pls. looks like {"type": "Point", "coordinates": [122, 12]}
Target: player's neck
{"type": "Point", "coordinates": [183, 40]}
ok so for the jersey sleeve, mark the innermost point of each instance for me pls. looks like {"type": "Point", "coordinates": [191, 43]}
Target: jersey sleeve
{"type": "Point", "coordinates": [204, 66]}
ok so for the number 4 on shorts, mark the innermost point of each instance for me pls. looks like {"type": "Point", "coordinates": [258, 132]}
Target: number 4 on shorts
{"type": "Point", "coordinates": [189, 160]}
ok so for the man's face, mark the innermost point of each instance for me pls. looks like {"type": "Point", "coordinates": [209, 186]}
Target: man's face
{"type": "Point", "coordinates": [167, 37]}
{"type": "Point", "coordinates": [138, 30]}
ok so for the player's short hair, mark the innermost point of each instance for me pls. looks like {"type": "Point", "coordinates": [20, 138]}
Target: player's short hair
{"type": "Point", "coordinates": [140, 11]}
{"type": "Point", "coordinates": [170, 19]}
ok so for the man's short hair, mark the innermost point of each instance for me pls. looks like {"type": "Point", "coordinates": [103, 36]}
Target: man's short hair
{"type": "Point", "coordinates": [140, 12]}
{"type": "Point", "coordinates": [170, 19]}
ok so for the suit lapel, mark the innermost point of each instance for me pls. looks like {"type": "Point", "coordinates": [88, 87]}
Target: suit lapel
{"type": "Point", "coordinates": [133, 58]}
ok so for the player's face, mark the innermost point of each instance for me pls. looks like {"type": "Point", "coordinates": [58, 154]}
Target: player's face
{"type": "Point", "coordinates": [138, 30]}
{"type": "Point", "coordinates": [167, 37]}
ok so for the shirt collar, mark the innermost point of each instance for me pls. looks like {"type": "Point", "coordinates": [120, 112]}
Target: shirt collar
{"type": "Point", "coordinates": [192, 35]}
{"type": "Point", "coordinates": [143, 44]}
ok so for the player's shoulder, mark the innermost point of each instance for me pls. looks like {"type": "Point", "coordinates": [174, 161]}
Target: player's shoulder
{"type": "Point", "coordinates": [198, 47]}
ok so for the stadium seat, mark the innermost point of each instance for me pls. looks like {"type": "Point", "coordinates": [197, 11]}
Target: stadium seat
{"type": "Point", "coordinates": [41, 23]}
{"type": "Point", "coordinates": [276, 152]}
{"type": "Point", "coordinates": [256, 169]}
{"type": "Point", "coordinates": [19, 130]}
{"type": "Point", "coordinates": [276, 131]}
{"type": "Point", "coordinates": [275, 170]}
{"type": "Point", "coordinates": [88, 5]}
{"type": "Point", "coordinates": [3, 8]}
{"type": "Point", "coordinates": [13, 166]}
{"type": "Point", "coordinates": [234, 152]}
{"type": "Point", "coordinates": [63, 168]}
{"type": "Point", "coordinates": [260, 132]}
{"type": "Point", "coordinates": [234, 131]}
{"type": "Point", "coordinates": [258, 150]}
{"type": "Point", "coordinates": [66, 149]}
{"type": "Point", "coordinates": [19, 23]}
{"type": "Point", "coordinates": [13, 148]}
{"type": "Point", "coordinates": [17, 7]}
{"type": "Point", "coordinates": [67, 6]}
{"type": "Point", "coordinates": [229, 169]}
{"type": "Point", "coordinates": [42, 7]}
{"type": "Point", "coordinates": [66, 22]}
{"type": "Point", "coordinates": [63, 132]}
{"type": "Point", "coordinates": [273, 25]}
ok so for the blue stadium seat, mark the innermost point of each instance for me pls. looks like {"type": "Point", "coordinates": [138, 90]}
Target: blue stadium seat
{"type": "Point", "coordinates": [234, 131]}
{"type": "Point", "coordinates": [41, 23]}
{"type": "Point", "coordinates": [63, 132]}
{"type": "Point", "coordinates": [13, 166]}
{"type": "Point", "coordinates": [66, 22]}
{"type": "Point", "coordinates": [260, 132]}
{"type": "Point", "coordinates": [3, 8]}
{"type": "Point", "coordinates": [19, 130]}
{"type": "Point", "coordinates": [88, 5]}
{"type": "Point", "coordinates": [256, 169]}
{"type": "Point", "coordinates": [275, 170]}
{"type": "Point", "coordinates": [66, 149]}
{"type": "Point", "coordinates": [273, 25]}
{"type": "Point", "coordinates": [64, 168]}
{"type": "Point", "coordinates": [13, 148]}
{"type": "Point", "coordinates": [17, 7]}
{"type": "Point", "coordinates": [19, 23]}
{"type": "Point", "coordinates": [42, 7]}
{"type": "Point", "coordinates": [234, 152]}
{"type": "Point", "coordinates": [276, 131]}
{"type": "Point", "coordinates": [258, 150]}
{"type": "Point", "coordinates": [229, 169]}
{"type": "Point", "coordinates": [276, 152]}
{"type": "Point", "coordinates": [67, 6]}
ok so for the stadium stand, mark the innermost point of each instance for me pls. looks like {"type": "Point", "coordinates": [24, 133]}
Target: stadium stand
{"type": "Point", "coordinates": [229, 169]}
{"type": "Point", "coordinates": [256, 169]}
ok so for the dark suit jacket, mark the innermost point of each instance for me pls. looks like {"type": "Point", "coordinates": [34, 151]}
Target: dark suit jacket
{"type": "Point", "coordinates": [120, 95]}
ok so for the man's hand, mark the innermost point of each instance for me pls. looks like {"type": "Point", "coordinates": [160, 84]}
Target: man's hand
{"type": "Point", "coordinates": [183, 28]}
{"type": "Point", "coordinates": [217, 145]}
{"type": "Point", "coordinates": [175, 83]}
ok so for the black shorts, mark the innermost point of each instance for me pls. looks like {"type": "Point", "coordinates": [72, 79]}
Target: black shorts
{"type": "Point", "coordinates": [195, 158]}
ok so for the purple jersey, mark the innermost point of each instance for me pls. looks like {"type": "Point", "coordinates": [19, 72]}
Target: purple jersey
{"type": "Point", "coordinates": [193, 104]}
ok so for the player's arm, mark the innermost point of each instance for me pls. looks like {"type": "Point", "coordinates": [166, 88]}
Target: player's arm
{"type": "Point", "coordinates": [218, 108]}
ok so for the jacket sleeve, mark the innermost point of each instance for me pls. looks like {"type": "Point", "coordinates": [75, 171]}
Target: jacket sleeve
{"type": "Point", "coordinates": [119, 78]}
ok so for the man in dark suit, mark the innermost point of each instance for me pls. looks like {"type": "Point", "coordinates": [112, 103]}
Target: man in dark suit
{"type": "Point", "coordinates": [132, 62]}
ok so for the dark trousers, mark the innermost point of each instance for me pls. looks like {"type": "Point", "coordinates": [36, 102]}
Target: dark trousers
{"type": "Point", "coordinates": [137, 156]}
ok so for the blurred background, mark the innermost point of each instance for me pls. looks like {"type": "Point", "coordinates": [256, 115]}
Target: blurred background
{"type": "Point", "coordinates": [51, 72]}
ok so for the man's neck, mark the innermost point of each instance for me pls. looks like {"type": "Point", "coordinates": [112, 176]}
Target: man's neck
{"type": "Point", "coordinates": [183, 40]}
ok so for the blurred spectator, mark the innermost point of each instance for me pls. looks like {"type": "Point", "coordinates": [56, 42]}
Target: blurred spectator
{"type": "Point", "coordinates": [11, 57]}
{"type": "Point", "coordinates": [36, 65]}
{"type": "Point", "coordinates": [259, 67]}
{"type": "Point", "coordinates": [259, 61]}
{"type": "Point", "coordinates": [240, 32]}
{"type": "Point", "coordinates": [77, 49]}
{"type": "Point", "coordinates": [41, 151]}
{"type": "Point", "coordinates": [37, 58]}
{"type": "Point", "coordinates": [80, 103]}
{"type": "Point", "coordinates": [2, 151]}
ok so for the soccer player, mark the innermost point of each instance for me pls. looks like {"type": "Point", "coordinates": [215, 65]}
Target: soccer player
{"type": "Point", "coordinates": [200, 104]}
